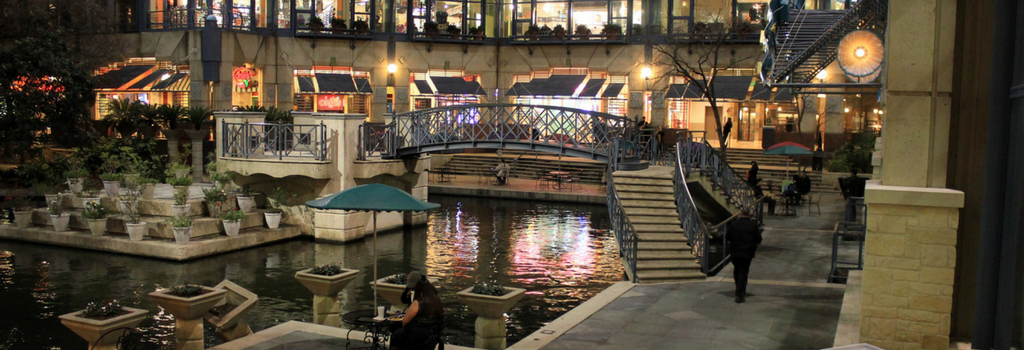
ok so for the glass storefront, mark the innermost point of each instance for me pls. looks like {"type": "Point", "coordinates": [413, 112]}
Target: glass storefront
{"type": "Point", "coordinates": [141, 79]}
{"type": "Point", "coordinates": [332, 89]}
{"type": "Point", "coordinates": [570, 14]}
{"type": "Point", "coordinates": [437, 88]}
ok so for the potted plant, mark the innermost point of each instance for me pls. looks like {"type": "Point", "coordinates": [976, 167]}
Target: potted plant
{"type": "Point", "coordinates": [215, 201]}
{"type": "Point", "coordinates": [111, 175]}
{"type": "Point", "coordinates": [338, 25]}
{"type": "Point", "coordinates": [533, 31]}
{"type": "Point", "coordinates": [325, 281]}
{"type": "Point", "coordinates": [188, 303]}
{"type": "Point", "coordinates": [612, 31]}
{"type": "Point", "coordinates": [181, 206]}
{"type": "Point", "coordinates": [136, 229]}
{"type": "Point", "coordinates": [124, 116]}
{"type": "Point", "coordinates": [149, 121]}
{"type": "Point", "coordinates": [90, 192]}
{"type": "Point", "coordinates": [490, 302]}
{"type": "Point", "coordinates": [58, 217]}
{"type": "Point", "coordinates": [48, 190]}
{"type": "Point", "coordinates": [182, 227]}
{"type": "Point", "coordinates": [315, 24]}
{"type": "Point", "coordinates": [131, 192]}
{"type": "Point", "coordinates": [275, 201]}
{"type": "Point", "coordinates": [199, 118]}
{"type": "Point", "coordinates": [220, 177]}
{"type": "Point", "coordinates": [442, 20]}
{"type": "Point", "coordinates": [454, 31]}
{"type": "Point", "coordinates": [391, 287]}
{"type": "Point", "coordinates": [430, 29]}
{"type": "Point", "coordinates": [22, 207]}
{"type": "Point", "coordinates": [477, 33]}
{"type": "Point", "coordinates": [96, 214]}
{"type": "Point", "coordinates": [361, 27]}
{"type": "Point", "coordinates": [100, 320]}
{"type": "Point", "coordinates": [179, 171]}
{"type": "Point", "coordinates": [232, 221]}
{"type": "Point", "coordinates": [76, 174]}
{"type": "Point", "coordinates": [148, 188]}
{"type": "Point", "coordinates": [583, 32]}
{"type": "Point", "coordinates": [558, 32]}
{"type": "Point", "coordinates": [245, 198]}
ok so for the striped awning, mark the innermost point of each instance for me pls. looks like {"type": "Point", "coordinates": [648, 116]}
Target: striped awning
{"type": "Point", "coordinates": [306, 84]}
{"type": "Point", "coordinates": [175, 82]}
{"type": "Point", "coordinates": [119, 79]}
{"type": "Point", "coordinates": [555, 85]}
{"type": "Point", "coordinates": [423, 86]}
{"type": "Point", "coordinates": [613, 90]}
{"type": "Point", "coordinates": [144, 83]}
{"type": "Point", "coordinates": [683, 91]}
{"type": "Point", "coordinates": [592, 88]}
{"type": "Point", "coordinates": [336, 83]}
{"type": "Point", "coordinates": [363, 85]}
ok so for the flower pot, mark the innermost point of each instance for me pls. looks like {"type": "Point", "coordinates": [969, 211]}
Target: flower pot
{"type": "Point", "coordinates": [188, 308]}
{"type": "Point", "coordinates": [129, 206]}
{"type": "Point", "coordinates": [87, 200]}
{"type": "Point", "coordinates": [23, 219]}
{"type": "Point", "coordinates": [75, 184]}
{"type": "Point", "coordinates": [92, 329]}
{"type": "Point", "coordinates": [112, 188]}
{"type": "Point", "coordinates": [213, 209]}
{"type": "Point", "coordinates": [131, 178]}
{"type": "Point", "coordinates": [136, 232]}
{"type": "Point", "coordinates": [51, 197]}
{"type": "Point", "coordinates": [392, 293]}
{"type": "Point", "coordinates": [246, 203]}
{"type": "Point", "coordinates": [273, 219]}
{"type": "Point", "coordinates": [326, 285]}
{"type": "Point", "coordinates": [231, 227]}
{"type": "Point", "coordinates": [491, 306]}
{"type": "Point", "coordinates": [148, 191]}
{"type": "Point", "coordinates": [181, 209]}
{"type": "Point", "coordinates": [182, 234]}
{"type": "Point", "coordinates": [60, 222]}
{"type": "Point", "coordinates": [98, 226]}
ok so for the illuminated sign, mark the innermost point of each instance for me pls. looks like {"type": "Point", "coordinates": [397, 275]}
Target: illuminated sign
{"type": "Point", "coordinates": [244, 78]}
{"type": "Point", "coordinates": [330, 103]}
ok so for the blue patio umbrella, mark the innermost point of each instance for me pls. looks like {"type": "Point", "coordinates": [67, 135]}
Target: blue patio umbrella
{"type": "Point", "coordinates": [788, 149]}
{"type": "Point", "coordinates": [372, 198]}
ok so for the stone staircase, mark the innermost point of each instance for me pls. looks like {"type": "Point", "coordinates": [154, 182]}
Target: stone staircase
{"type": "Point", "coordinates": [525, 165]}
{"type": "Point", "coordinates": [663, 252]}
{"type": "Point", "coordinates": [773, 168]}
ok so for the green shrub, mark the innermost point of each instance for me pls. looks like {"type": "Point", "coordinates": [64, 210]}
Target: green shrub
{"type": "Point", "coordinates": [492, 289]}
{"type": "Point", "coordinates": [187, 290]}
{"type": "Point", "coordinates": [103, 310]}
{"type": "Point", "coordinates": [853, 155]}
{"type": "Point", "coordinates": [232, 215]}
{"type": "Point", "coordinates": [94, 211]}
{"type": "Point", "coordinates": [327, 270]}
{"type": "Point", "coordinates": [180, 221]}
{"type": "Point", "coordinates": [398, 278]}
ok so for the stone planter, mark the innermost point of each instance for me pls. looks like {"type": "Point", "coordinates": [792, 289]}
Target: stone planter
{"type": "Point", "coordinates": [213, 209]}
{"type": "Point", "coordinates": [182, 234]}
{"type": "Point", "coordinates": [231, 227]}
{"type": "Point", "coordinates": [148, 191]}
{"type": "Point", "coordinates": [246, 203]}
{"type": "Point", "coordinates": [188, 314]}
{"type": "Point", "coordinates": [98, 226]}
{"type": "Point", "coordinates": [60, 222]}
{"type": "Point", "coordinates": [227, 316]}
{"type": "Point", "coordinates": [92, 329]}
{"type": "Point", "coordinates": [111, 188]}
{"type": "Point", "coordinates": [75, 184]}
{"type": "Point", "coordinates": [23, 219]}
{"type": "Point", "coordinates": [490, 323]}
{"type": "Point", "coordinates": [136, 232]}
{"type": "Point", "coordinates": [325, 293]}
{"type": "Point", "coordinates": [181, 209]}
{"type": "Point", "coordinates": [392, 293]}
{"type": "Point", "coordinates": [273, 219]}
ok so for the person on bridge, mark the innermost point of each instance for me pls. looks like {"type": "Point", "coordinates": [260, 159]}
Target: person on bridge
{"type": "Point", "coordinates": [501, 171]}
{"type": "Point", "coordinates": [743, 236]}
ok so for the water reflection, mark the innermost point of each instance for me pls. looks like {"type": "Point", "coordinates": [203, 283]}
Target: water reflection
{"type": "Point", "coordinates": [550, 249]}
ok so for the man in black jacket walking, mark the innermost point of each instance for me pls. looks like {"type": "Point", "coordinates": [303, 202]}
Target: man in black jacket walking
{"type": "Point", "coordinates": [743, 236]}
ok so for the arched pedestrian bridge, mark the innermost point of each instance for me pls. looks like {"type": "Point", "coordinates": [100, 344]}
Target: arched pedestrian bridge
{"type": "Point", "coordinates": [556, 130]}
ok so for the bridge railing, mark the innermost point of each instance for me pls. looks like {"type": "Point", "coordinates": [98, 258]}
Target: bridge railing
{"type": "Point", "coordinates": [557, 129]}
{"type": "Point", "coordinates": [625, 233]}
{"type": "Point", "coordinates": [274, 140]}
{"type": "Point", "coordinates": [375, 140]}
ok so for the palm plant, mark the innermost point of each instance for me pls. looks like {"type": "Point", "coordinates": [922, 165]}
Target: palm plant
{"type": "Point", "coordinates": [198, 115]}
{"type": "Point", "coordinates": [124, 115]}
{"type": "Point", "coordinates": [170, 115]}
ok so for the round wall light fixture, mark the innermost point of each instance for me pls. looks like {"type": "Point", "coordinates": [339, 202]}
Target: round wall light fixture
{"type": "Point", "coordinates": [860, 55]}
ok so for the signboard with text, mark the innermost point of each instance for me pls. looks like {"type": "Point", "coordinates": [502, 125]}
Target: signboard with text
{"type": "Point", "coordinates": [334, 103]}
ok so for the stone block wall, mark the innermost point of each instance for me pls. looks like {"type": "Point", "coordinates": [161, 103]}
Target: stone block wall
{"type": "Point", "coordinates": [910, 256]}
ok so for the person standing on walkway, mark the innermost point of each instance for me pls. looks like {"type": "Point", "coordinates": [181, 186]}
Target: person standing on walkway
{"type": "Point", "coordinates": [726, 130]}
{"type": "Point", "coordinates": [743, 236]}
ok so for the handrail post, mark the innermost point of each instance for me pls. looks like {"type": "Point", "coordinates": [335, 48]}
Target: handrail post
{"type": "Point", "coordinates": [280, 141]}
{"type": "Point", "coordinates": [247, 140]}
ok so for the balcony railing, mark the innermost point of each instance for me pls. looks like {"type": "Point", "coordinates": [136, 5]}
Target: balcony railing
{"type": "Point", "coordinates": [274, 140]}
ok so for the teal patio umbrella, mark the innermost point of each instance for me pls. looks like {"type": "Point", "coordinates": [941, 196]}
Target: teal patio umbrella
{"type": "Point", "coordinates": [372, 198]}
{"type": "Point", "coordinates": [787, 149]}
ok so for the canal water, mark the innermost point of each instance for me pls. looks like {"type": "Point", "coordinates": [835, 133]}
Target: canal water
{"type": "Point", "coordinates": [563, 254]}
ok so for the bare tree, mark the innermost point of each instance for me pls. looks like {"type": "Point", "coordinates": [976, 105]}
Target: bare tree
{"type": "Point", "coordinates": [699, 57]}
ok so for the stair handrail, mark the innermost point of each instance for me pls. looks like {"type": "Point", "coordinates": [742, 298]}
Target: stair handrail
{"type": "Point", "coordinates": [736, 189]}
{"type": "Point", "coordinates": [697, 232]}
{"type": "Point", "coordinates": [625, 232]}
{"type": "Point", "coordinates": [861, 10]}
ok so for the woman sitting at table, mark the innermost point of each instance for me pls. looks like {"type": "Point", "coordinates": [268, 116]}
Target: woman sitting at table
{"type": "Point", "coordinates": [423, 314]}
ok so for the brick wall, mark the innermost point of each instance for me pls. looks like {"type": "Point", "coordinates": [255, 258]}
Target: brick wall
{"type": "Point", "coordinates": [910, 255]}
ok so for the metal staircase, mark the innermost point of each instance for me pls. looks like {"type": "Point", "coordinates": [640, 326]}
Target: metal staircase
{"type": "Point", "coordinates": [803, 43]}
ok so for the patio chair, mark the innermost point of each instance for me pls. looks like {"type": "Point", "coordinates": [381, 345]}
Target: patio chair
{"type": "Point", "coordinates": [814, 199]}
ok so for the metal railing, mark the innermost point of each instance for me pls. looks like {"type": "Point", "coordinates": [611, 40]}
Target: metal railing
{"type": "Point", "coordinates": [374, 140]}
{"type": "Point", "coordinates": [625, 233]}
{"type": "Point", "coordinates": [274, 140]}
{"type": "Point", "coordinates": [693, 154]}
{"type": "Point", "coordinates": [558, 130]}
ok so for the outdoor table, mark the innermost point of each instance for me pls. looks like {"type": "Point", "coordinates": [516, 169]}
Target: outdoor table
{"type": "Point", "coordinates": [559, 177]}
{"type": "Point", "coordinates": [377, 331]}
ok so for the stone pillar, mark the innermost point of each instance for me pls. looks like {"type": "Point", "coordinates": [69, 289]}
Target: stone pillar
{"type": "Point", "coordinates": [910, 256]}
{"type": "Point", "coordinates": [325, 310]}
{"type": "Point", "coordinates": [189, 334]}
{"type": "Point", "coordinates": [490, 333]}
